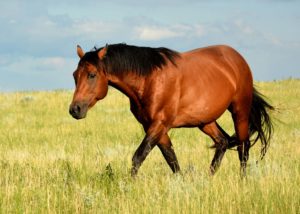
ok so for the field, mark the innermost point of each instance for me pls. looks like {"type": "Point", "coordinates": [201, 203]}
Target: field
{"type": "Point", "coordinates": [51, 163]}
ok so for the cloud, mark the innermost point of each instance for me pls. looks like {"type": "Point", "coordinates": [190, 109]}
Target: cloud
{"type": "Point", "coordinates": [38, 38]}
{"type": "Point", "coordinates": [243, 27]}
{"type": "Point", "coordinates": [28, 72]}
{"type": "Point", "coordinates": [52, 35]}
{"type": "Point", "coordinates": [156, 33]}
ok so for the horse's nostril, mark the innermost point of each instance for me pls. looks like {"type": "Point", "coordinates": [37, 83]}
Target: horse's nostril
{"type": "Point", "coordinates": [74, 110]}
{"type": "Point", "coordinates": [77, 108]}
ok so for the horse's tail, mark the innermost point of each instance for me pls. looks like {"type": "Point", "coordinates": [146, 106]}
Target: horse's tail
{"type": "Point", "coordinates": [260, 122]}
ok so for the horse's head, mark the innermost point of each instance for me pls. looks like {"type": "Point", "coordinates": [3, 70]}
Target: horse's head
{"type": "Point", "coordinates": [90, 80]}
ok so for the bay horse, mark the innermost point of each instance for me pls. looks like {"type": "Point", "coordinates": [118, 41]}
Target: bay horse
{"type": "Point", "coordinates": [168, 89]}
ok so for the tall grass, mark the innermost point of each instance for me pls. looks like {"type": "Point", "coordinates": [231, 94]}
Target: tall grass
{"type": "Point", "coordinates": [51, 163]}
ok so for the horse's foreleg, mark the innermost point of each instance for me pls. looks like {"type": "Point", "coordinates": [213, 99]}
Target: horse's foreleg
{"type": "Point", "coordinates": [221, 139]}
{"type": "Point", "coordinates": [153, 135]}
{"type": "Point", "coordinates": [166, 149]}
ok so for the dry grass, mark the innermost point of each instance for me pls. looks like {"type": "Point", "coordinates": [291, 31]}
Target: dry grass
{"type": "Point", "coordinates": [51, 163]}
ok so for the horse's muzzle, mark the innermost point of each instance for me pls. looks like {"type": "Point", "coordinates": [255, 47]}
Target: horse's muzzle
{"type": "Point", "coordinates": [78, 110]}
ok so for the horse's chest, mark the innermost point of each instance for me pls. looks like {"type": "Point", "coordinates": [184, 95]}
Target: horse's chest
{"type": "Point", "coordinates": [138, 112]}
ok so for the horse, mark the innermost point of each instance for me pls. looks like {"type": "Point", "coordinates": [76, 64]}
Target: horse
{"type": "Point", "coordinates": [168, 89]}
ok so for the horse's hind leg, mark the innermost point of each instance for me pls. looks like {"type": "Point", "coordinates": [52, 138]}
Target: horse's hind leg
{"type": "Point", "coordinates": [243, 151]}
{"type": "Point", "coordinates": [241, 127]}
{"type": "Point", "coordinates": [240, 115]}
{"type": "Point", "coordinates": [221, 139]}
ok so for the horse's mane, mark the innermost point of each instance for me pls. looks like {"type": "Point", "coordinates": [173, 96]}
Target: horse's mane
{"type": "Point", "coordinates": [142, 61]}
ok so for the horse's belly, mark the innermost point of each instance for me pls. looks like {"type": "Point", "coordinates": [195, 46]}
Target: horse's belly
{"type": "Point", "coordinates": [196, 117]}
{"type": "Point", "coordinates": [202, 108]}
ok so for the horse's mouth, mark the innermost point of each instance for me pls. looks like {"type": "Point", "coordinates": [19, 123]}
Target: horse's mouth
{"type": "Point", "coordinates": [78, 117]}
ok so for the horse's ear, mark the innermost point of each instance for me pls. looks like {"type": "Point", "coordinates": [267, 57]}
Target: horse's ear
{"type": "Point", "coordinates": [80, 52]}
{"type": "Point", "coordinates": [102, 52]}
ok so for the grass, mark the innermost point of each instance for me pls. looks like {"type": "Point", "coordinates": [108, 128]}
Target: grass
{"type": "Point", "coordinates": [51, 163]}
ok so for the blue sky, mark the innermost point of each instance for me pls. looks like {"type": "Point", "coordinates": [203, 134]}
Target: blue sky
{"type": "Point", "coordinates": [38, 38]}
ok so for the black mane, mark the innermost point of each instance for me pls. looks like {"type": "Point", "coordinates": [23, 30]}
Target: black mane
{"type": "Point", "coordinates": [122, 58]}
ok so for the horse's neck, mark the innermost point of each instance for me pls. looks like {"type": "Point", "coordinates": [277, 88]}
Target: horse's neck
{"type": "Point", "coordinates": [130, 85]}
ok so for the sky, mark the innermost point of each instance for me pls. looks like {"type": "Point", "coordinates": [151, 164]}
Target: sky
{"type": "Point", "coordinates": [38, 38]}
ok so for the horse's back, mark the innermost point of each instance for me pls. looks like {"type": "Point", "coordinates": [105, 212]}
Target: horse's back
{"type": "Point", "coordinates": [216, 56]}
{"type": "Point", "coordinates": [218, 66]}
{"type": "Point", "coordinates": [211, 78]}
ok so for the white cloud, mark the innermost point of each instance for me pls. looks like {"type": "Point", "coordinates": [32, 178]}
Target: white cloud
{"type": "Point", "coordinates": [36, 73]}
{"type": "Point", "coordinates": [53, 63]}
{"type": "Point", "coordinates": [243, 27]}
{"type": "Point", "coordinates": [88, 27]}
{"type": "Point", "coordinates": [153, 33]}
{"type": "Point", "coordinates": [200, 30]}
{"type": "Point", "coordinates": [273, 40]}
{"type": "Point", "coordinates": [38, 38]}
{"type": "Point", "coordinates": [35, 65]}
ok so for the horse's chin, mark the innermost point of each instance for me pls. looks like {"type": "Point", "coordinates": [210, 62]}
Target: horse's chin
{"type": "Point", "coordinates": [79, 117]}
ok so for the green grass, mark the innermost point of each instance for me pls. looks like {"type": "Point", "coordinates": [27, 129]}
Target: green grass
{"type": "Point", "coordinates": [51, 163]}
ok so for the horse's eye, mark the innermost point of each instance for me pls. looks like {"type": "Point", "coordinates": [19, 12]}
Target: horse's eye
{"type": "Point", "coordinates": [91, 75]}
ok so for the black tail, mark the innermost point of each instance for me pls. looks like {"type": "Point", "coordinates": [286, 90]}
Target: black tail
{"type": "Point", "coordinates": [260, 122]}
